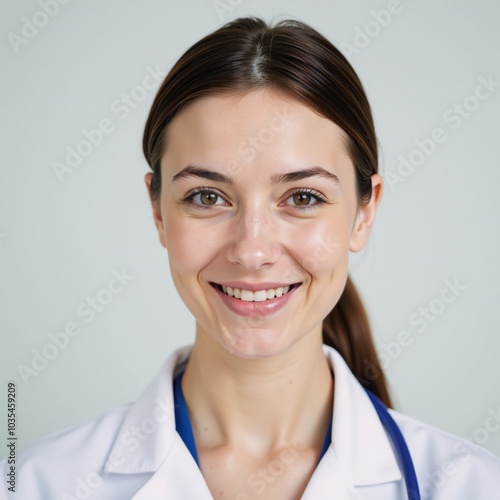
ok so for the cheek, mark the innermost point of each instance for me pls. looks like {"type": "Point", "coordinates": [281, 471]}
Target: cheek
{"type": "Point", "coordinates": [322, 246]}
{"type": "Point", "coordinates": [189, 246]}
{"type": "Point", "coordinates": [323, 253]}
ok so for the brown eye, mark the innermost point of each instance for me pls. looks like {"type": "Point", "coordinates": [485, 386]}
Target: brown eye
{"type": "Point", "coordinates": [305, 199]}
{"type": "Point", "coordinates": [204, 198]}
{"type": "Point", "coordinates": [208, 198]}
{"type": "Point", "coordinates": [302, 199]}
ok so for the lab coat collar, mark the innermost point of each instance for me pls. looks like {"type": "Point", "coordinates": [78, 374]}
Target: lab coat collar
{"type": "Point", "coordinates": [359, 441]}
{"type": "Point", "coordinates": [148, 442]}
{"type": "Point", "coordinates": [148, 431]}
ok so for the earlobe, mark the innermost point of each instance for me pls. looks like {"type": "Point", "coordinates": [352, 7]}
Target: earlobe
{"type": "Point", "coordinates": [155, 205]}
{"type": "Point", "coordinates": [365, 217]}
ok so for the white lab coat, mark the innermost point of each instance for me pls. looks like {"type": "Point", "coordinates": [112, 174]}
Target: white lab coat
{"type": "Point", "coordinates": [135, 452]}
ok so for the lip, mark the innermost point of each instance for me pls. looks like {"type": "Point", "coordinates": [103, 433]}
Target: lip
{"type": "Point", "coordinates": [265, 308]}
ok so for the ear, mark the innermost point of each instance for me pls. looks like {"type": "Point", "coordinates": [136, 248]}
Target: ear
{"type": "Point", "coordinates": [155, 205]}
{"type": "Point", "coordinates": [366, 216]}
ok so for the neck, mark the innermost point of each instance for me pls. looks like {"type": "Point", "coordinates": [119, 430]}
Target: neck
{"type": "Point", "coordinates": [258, 405]}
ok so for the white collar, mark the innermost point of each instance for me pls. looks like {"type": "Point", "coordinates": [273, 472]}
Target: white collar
{"type": "Point", "coordinates": [359, 442]}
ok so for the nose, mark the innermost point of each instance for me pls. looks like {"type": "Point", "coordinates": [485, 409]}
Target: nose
{"type": "Point", "coordinates": [254, 243]}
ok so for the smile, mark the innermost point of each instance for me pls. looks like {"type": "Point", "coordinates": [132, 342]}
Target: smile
{"type": "Point", "coordinates": [255, 302]}
{"type": "Point", "coordinates": [256, 296]}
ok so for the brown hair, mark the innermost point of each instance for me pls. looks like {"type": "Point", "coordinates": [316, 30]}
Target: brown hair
{"type": "Point", "coordinates": [292, 57]}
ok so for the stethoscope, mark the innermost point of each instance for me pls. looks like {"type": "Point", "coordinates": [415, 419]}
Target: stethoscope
{"type": "Point", "coordinates": [183, 427]}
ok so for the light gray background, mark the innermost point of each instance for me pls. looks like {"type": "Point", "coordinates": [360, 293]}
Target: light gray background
{"type": "Point", "coordinates": [60, 241]}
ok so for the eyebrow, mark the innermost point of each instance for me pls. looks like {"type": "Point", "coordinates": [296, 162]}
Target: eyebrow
{"type": "Point", "coordinates": [191, 170]}
{"type": "Point", "coordinates": [314, 171]}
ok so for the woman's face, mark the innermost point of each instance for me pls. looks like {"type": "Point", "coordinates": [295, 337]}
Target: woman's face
{"type": "Point", "coordinates": [258, 193]}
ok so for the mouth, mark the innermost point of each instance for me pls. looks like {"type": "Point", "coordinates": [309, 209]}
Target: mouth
{"type": "Point", "coordinates": [257, 295]}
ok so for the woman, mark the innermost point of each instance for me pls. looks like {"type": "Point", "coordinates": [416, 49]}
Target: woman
{"type": "Point", "coordinates": [264, 178]}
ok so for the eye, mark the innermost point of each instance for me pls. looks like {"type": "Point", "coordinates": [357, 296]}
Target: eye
{"type": "Point", "coordinates": [302, 199]}
{"type": "Point", "coordinates": [204, 198]}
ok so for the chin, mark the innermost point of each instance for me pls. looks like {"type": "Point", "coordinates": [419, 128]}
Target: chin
{"type": "Point", "coordinates": [256, 343]}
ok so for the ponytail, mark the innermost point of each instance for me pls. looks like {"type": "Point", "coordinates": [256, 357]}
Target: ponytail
{"type": "Point", "coordinates": [347, 330]}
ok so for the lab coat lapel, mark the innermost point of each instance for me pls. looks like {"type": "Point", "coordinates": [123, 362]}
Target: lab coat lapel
{"type": "Point", "coordinates": [177, 477]}
{"type": "Point", "coordinates": [359, 441]}
{"type": "Point", "coordinates": [148, 431]}
{"type": "Point", "coordinates": [148, 442]}
{"type": "Point", "coordinates": [329, 481]}
{"type": "Point", "coordinates": [360, 453]}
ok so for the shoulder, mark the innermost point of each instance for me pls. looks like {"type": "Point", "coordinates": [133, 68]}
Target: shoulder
{"type": "Point", "coordinates": [448, 466]}
{"type": "Point", "coordinates": [98, 432]}
{"type": "Point", "coordinates": [60, 465]}
{"type": "Point", "coordinates": [110, 457]}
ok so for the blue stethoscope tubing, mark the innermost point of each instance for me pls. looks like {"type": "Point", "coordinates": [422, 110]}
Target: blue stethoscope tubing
{"type": "Point", "coordinates": [399, 443]}
{"type": "Point", "coordinates": [183, 427]}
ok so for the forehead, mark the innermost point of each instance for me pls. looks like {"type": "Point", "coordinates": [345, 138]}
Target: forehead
{"type": "Point", "coordinates": [260, 125]}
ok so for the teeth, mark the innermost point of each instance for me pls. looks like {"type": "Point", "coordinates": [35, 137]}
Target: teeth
{"type": "Point", "coordinates": [258, 295]}
{"type": "Point", "coordinates": [246, 295]}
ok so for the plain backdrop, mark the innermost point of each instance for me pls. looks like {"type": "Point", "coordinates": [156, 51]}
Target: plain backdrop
{"type": "Point", "coordinates": [81, 65]}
